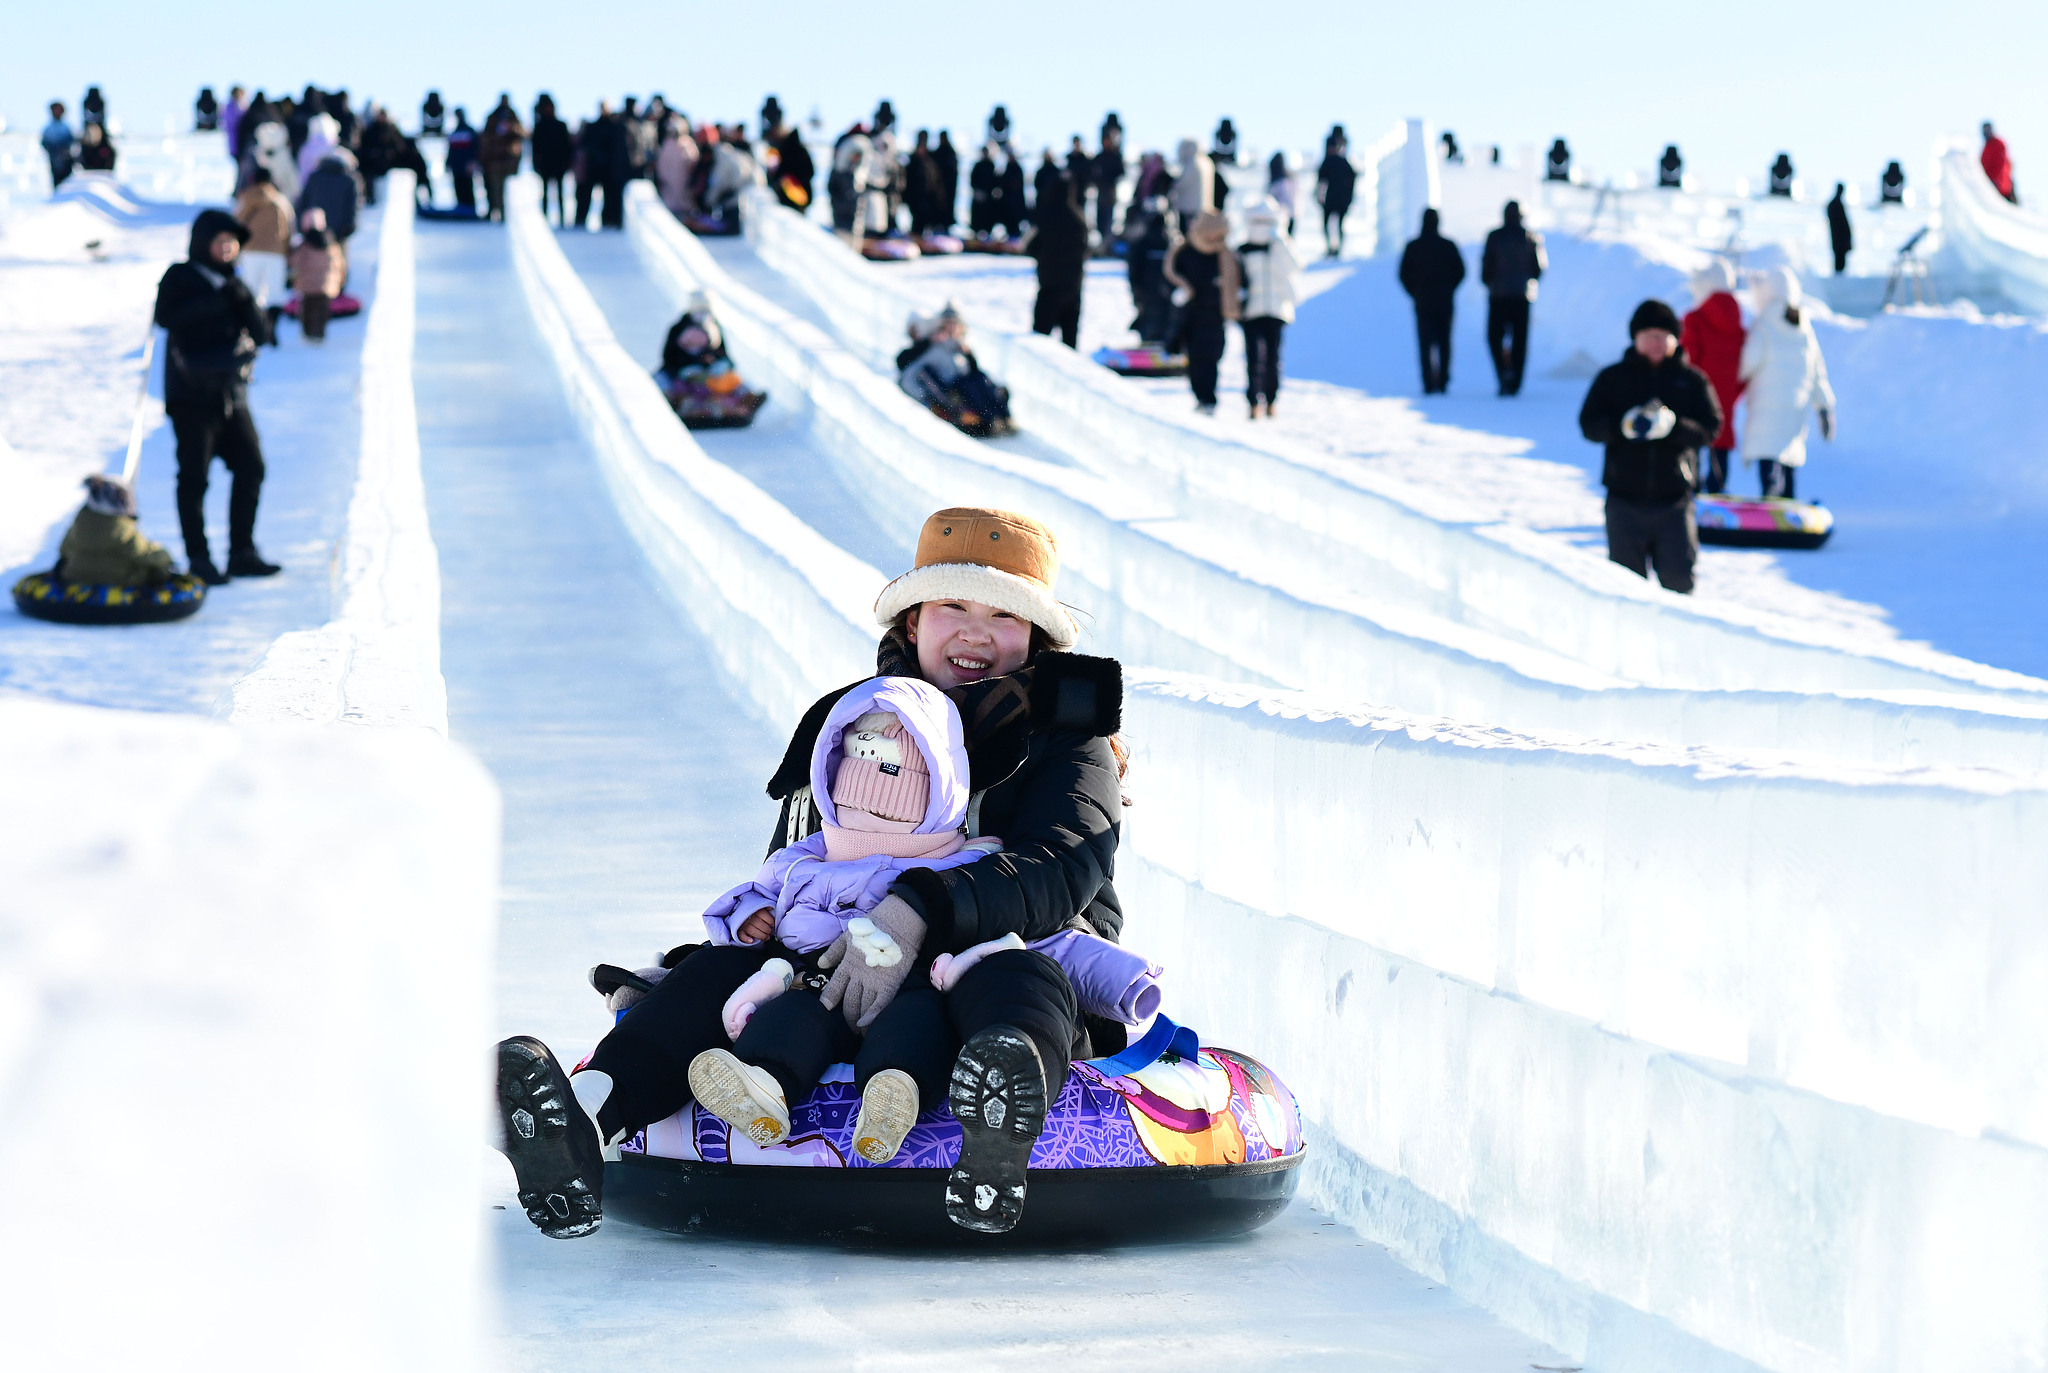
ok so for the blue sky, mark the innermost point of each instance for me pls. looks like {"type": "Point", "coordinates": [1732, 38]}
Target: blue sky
{"type": "Point", "coordinates": [1842, 88]}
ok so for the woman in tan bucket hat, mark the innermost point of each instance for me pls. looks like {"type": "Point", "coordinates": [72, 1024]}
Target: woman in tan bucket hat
{"type": "Point", "coordinates": [976, 617]}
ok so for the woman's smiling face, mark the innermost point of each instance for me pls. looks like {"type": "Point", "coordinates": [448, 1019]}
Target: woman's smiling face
{"type": "Point", "coordinates": [964, 641]}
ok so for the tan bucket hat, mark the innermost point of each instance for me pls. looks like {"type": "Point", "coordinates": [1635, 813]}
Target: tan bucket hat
{"type": "Point", "coordinates": [995, 557]}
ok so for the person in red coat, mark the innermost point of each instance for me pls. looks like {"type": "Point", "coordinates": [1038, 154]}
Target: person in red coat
{"type": "Point", "coordinates": [1712, 340]}
{"type": "Point", "coordinates": [1998, 164]}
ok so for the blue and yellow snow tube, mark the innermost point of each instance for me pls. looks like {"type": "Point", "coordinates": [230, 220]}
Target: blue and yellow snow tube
{"type": "Point", "coordinates": [1178, 1149]}
{"type": "Point", "coordinates": [44, 596]}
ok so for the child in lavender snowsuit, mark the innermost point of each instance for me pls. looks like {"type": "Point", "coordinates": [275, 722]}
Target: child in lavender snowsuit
{"type": "Point", "coordinates": [890, 773]}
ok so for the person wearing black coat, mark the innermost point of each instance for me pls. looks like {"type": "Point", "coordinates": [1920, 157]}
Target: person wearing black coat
{"type": "Point", "coordinates": [1431, 269]}
{"type": "Point", "coordinates": [554, 154]}
{"type": "Point", "coordinates": [1010, 208]}
{"type": "Point", "coordinates": [1557, 165]}
{"type": "Point", "coordinates": [611, 160]}
{"type": "Point", "coordinates": [433, 114]}
{"type": "Point", "coordinates": [461, 160]}
{"type": "Point", "coordinates": [794, 170]}
{"type": "Point", "coordinates": [1156, 320]}
{"type": "Point", "coordinates": [383, 148]}
{"type": "Point", "coordinates": [1839, 236]}
{"type": "Point", "coordinates": [1654, 411]}
{"type": "Point", "coordinates": [214, 327]}
{"type": "Point", "coordinates": [206, 113]}
{"type": "Point", "coordinates": [1059, 241]}
{"type": "Point", "coordinates": [1891, 187]}
{"type": "Point", "coordinates": [1045, 776]}
{"type": "Point", "coordinates": [946, 159]}
{"type": "Point", "coordinates": [983, 186]}
{"type": "Point", "coordinates": [1048, 184]}
{"type": "Point", "coordinates": [337, 188]}
{"type": "Point", "coordinates": [1107, 170]}
{"type": "Point", "coordinates": [1782, 176]}
{"type": "Point", "coordinates": [1336, 185]}
{"type": "Point", "coordinates": [921, 186]}
{"type": "Point", "coordinates": [1511, 265]}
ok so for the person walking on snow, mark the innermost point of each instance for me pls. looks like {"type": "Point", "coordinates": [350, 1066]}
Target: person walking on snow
{"type": "Point", "coordinates": [1783, 376]}
{"type": "Point", "coordinates": [1270, 272]}
{"type": "Point", "coordinates": [60, 145]}
{"type": "Point", "coordinates": [268, 217]}
{"type": "Point", "coordinates": [1106, 169]}
{"type": "Point", "coordinates": [1652, 410]}
{"type": "Point", "coordinates": [1208, 289]}
{"type": "Point", "coordinates": [214, 328]}
{"type": "Point", "coordinates": [1280, 189]}
{"type": "Point", "coordinates": [1511, 266]}
{"type": "Point", "coordinates": [500, 147]}
{"type": "Point", "coordinates": [1431, 269]}
{"type": "Point", "coordinates": [1995, 160]}
{"type": "Point", "coordinates": [554, 155]}
{"type": "Point", "coordinates": [1839, 236]}
{"type": "Point", "coordinates": [1059, 241]}
{"type": "Point", "coordinates": [1712, 339]}
{"type": "Point", "coordinates": [1194, 186]}
{"type": "Point", "coordinates": [1336, 183]}
{"type": "Point", "coordinates": [319, 269]}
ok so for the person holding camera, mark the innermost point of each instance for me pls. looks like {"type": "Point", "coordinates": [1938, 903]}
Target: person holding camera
{"type": "Point", "coordinates": [1654, 411]}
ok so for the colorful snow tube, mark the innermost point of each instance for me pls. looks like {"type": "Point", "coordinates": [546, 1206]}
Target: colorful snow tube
{"type": "Point", "coordinates": [890, 250]}
{"type": "Point", "coordinates": [341, 307]}
{"type": "Point", "coordinates": [1767, 522]}
{"type": "Point", "coordinates": [1146, 360]}
{"type": "Point", "coordinates": [1179, 1149]}
{"type": "Point", "coordinates": [44, 596]}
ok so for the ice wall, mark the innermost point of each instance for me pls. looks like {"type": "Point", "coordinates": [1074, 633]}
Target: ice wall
{"type": "Point", "coordinates": [1987, 242]}
{"type": "Point", "coordinates": [378, 661]}
{"type": "Point", "coordinates": [1318, 514]}
{"type": "Point", "coordinates": [244, 1064]}
{"type": "Point", "coordinates": [1770, 1100]}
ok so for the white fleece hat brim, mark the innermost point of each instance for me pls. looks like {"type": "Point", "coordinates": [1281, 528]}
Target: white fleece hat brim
{"type": "Point", "coordinates": [989, 586]}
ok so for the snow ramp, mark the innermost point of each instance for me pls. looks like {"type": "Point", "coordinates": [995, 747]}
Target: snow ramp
{"type": "Point", "coordinates": [1769, 1100]}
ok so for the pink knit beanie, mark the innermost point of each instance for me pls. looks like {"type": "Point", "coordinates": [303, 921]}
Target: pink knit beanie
{"type": "Point", "coordinates": [898, 790]}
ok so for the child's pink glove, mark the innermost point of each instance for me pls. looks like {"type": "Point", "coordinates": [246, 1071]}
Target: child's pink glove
{"type": "Point", "coordinates": [764, 986]}
{"type": "Point", "coordinates": [949, 968]}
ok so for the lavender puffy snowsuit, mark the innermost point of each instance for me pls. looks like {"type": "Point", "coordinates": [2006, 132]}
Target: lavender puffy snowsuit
{"type": "Point", "coordinates": [813, 898]}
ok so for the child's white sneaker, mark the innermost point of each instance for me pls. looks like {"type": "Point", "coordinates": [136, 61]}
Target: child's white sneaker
{"type": "Point", "coordinates": [888, 1108]}
{"type": "Point", "coordinates": [745, 1097]}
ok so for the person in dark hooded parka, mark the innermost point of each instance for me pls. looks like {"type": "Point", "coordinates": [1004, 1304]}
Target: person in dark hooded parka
{"type": "Point", "coordinates": [215, 327]}
{"type": "Point", "coordinates": [1431, 268]}
{"type": "Point", "coordinates": [1059, 241]}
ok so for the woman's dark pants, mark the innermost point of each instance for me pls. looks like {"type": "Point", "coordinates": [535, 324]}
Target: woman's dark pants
{"type": "Point", "coordinates": [1205, 351]}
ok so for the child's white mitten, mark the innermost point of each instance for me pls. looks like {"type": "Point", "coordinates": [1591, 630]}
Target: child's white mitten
{"type": "Point", "coordinates": [873, 943]}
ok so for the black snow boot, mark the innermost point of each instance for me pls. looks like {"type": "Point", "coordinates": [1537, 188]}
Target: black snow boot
{"type": "Point", "coordinates": [247, 562]}
{"type": "Point", "coordinates": [552, 1144]}
{"type": "Point", "coordinates": [205, 571]}
{"type": "Point", "coordinates": [998, 1095]}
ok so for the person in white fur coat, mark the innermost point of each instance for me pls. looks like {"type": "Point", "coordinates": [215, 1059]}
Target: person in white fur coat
{"type": "Point", "coordinates": [1783, 377]}
{"type": "Point", "coordinates": [1270, 271]}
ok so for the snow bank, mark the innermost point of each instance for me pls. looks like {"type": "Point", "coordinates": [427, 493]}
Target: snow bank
{"type": "Point", "coordinates": [1326, 517]}
{"type": "Point", "coordinates": [790, 615]}
{"type": "Point", "coordinates": [378, 662]}
{"type": "Point", "coordinates": [1988, 245]}
{"type": "Point", "coordinates": [229, 1026]}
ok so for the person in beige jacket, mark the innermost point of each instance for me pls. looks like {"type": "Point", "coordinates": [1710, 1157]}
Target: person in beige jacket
{"type": "Point", "coordinates": [267, 215]}
{"type": "Point", "coordinates": [104, 547]}
{"type": "Point", "coordinates": [318, 271]}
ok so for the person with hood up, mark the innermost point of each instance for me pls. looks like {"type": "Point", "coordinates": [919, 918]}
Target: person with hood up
{"type": "Point", "coordinates": [500, 148]}
{"type": "Point", "coordinates": [1336, 184]}
{"type": "Point", "coordinates": [60, 145]}
{"type": "Point", "coordinates": [1270, 273]}
{"type": "Point", "coordinates": [433, 115]}
{"type": "Point", "coordinates": [336, 190]}
{"type": "Point", "coordinates": [105, 547]}
{"type": "Point", "coordinates": [1511, 265]}
{"type": "Point", "coordinates": [1712, 339]}
{"type": "Point", "coordinates": [794, 170]}
{"type": "Point", "coordinates": [231, 112]}
{"type": "Point", "coordinates": [1653, 410]}
{"type": "Point", "coordinates": [1783, 377]}
{"type": "Point", "coordinates": [1280, 189]}
{"type": "Point", "coordinates": [1011, 211]}
{"type": "Point", "coordinates": [1208, 289]}
{"type": "Point", "coordinates": [976, 618]}
{"type": "Point", "coordinates": [694, 340]}
{"type": "Point", "coordinates": [1059, 241]}
{"type": "Point", "coordinates": [214, 327]}
{"type": "Point", "coordinates": [1194, 186]}
{"type": "Point", "coordinates": [842, 184]}
{"type": "Point", "coordinates": [1891, 185]}
{"type": "Point", "coordinates": [268, 217]}
{"type": "Point", "coordinates": [274, 154]}
{"type": "Point", "coordinates": [921, 186]}
{"type": "Point", "coordinates": [554, 155]}
{"type": "Point", "coordinates": [206, 111]}
{"type": "Point", "coordinates": [1995, 160]}
{"type": "Point", "coordinates": [889, 769]}
{"type": "Point", "coordinates": [1839, 236]}
{"type": "Point", "coordinates": [1557, 164]}
{"type": "Point", "coordinates": [318, 270]}
{"type": "Point", "coordinates": [323, 136]}
{"type": "Point", "coordinates": [382, 148]}
{"type": "Point", "coordinates": [938, 370]}
{"type": "Point", "coordinates": [946, 163]}
{"type": "Point", "coordinates": [981, 193]}
{"type": "Point", "coordinates": [1782, 176]}
{"type": "Point", "coordinates": [675, 167]}
{"type": "Point", "coordinates": [1431, 270]}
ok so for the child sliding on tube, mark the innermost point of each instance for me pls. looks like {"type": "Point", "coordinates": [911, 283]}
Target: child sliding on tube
{"type": "Point", "coordinates": [892, 789]}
